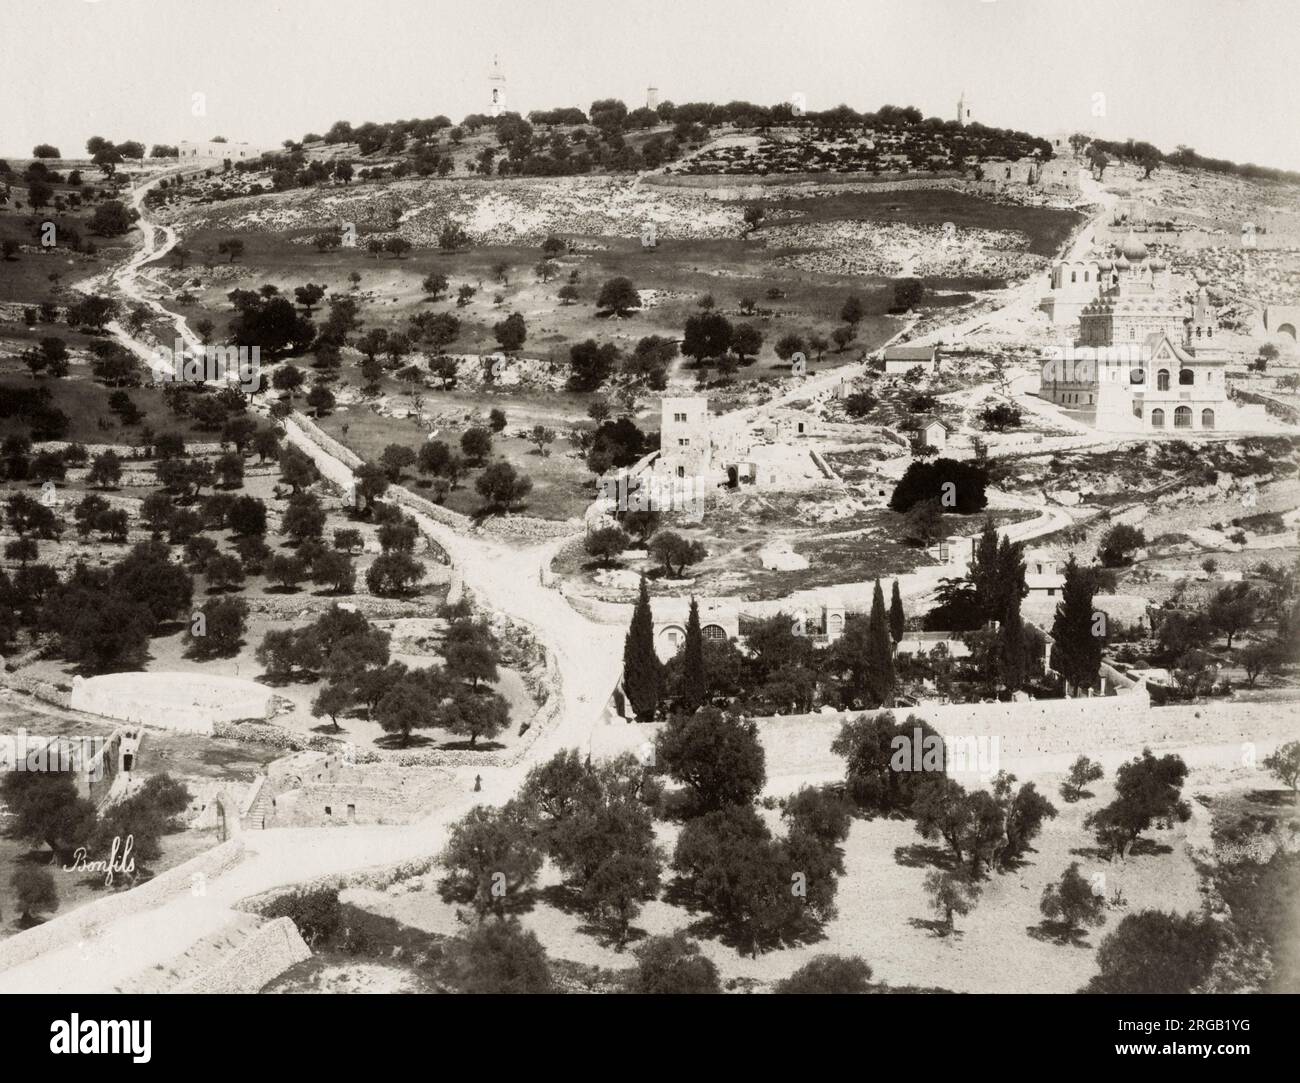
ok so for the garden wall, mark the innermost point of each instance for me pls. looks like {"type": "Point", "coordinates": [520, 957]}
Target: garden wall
{"type": "Point", "coordinates": [799, 745]}
{"type": "Point", "coordinates": [86, 921]}
{"type": "Point", "coordinates": [263, 956]}
{"type": "Point", "coordinates": [187, 702]}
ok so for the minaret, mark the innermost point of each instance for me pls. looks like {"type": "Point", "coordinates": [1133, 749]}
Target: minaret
{"type": "Point", "coordinates": [497, 85]}
{"type": "Point", "coordinates": [963, 109]}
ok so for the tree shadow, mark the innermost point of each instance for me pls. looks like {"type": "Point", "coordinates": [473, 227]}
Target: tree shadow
{"type": "Point", "coordinates": [1058, 932]}
{"type": "Point", "coordinates": [1144, 847]}
{"type": "Point", "coordinates": [922, 855]}
{"type": "Point", "coordinates": [1273, 798]}
{"type": "Point", "coordinates": [465, 746]}
{"type": "Point", "coordinates": [520, 902]}
{"type": "Point", "coordinates": [936, 927]}
{"type": "Point", "coordinates": [395, 741]}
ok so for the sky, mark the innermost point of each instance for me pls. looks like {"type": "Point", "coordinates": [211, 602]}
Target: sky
{"type": "Point", "coordinates": [1217, 75]}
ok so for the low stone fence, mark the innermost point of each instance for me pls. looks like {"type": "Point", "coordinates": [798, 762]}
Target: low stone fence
{"type": "Point", "coordinates": [86, 921]}
{"type": "Point", "coordinates": [186, 702]}
{"type": "Point", "coordinates": [518, 527]}
{"type": "Point", "coordinates": [374, 878]}
{"type": "Point", "coordinates": [800, 744]}
{"type": "Point", "coordinates": [266, 954]}
{"type": "Point", "coordinates": [42, 690]}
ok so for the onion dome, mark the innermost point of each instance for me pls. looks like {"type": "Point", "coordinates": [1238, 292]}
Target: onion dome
{"type": "Point", "coordinates": [1133, 249]}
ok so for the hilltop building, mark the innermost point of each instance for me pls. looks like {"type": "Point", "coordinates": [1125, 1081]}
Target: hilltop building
{"type": "Point", "coordinates": [496, 90]}
{"type": "Point", "coordinates": [965, 113]}
{"type": "Point", "coordinates": [216, 150]}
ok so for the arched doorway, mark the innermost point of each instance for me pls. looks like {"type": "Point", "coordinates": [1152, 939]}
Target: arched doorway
{"type": "Point", "coordinates": [1183, 417]}
{"type": "Point", "coordinates": [1157, 418]}
{"type": "Point", "coordinates": [1207, 418]}
{"type": "Point", "coordinates": [1286, 329]}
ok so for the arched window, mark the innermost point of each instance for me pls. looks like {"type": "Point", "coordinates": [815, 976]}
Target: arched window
{"type": "Point", "coordinates": [1137, 376]}
{"type": "Point", "coordinates": [1074, 276]}
{"type": "Point", "coordinates": [1157, 419]}
{"type": "Point", "coordinates": [1186, 377]}
{"type": "Point", "coordinates": [1183, 417]}
{"type": "Point", "coordinates": [714, 631]}
{"type": "Point", "coordinates": [1162, 380]}
{"type": "Point", "coordinates": [1207, 419]}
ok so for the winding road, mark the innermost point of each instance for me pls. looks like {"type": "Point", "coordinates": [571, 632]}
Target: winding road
{"type": "Point", "coordinates": [502, 577]}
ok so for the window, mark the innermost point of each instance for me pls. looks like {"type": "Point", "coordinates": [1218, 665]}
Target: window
{"type": "Point", "coordinates": [683, 441]}
{"type": "Point", "coordinates": [1183, 417]}
{"type": "Point", "coordinates": [1162, 380]}
{"type": "Point", "coordinates": [681, 471]}
{"type": "Point", "coordinates": [1186, 377]}
{"type": "Point", "coordinates": [329, 811]}
{"type": "Point", "coordinates": [1207, 419]}
{"type": "Point", "coordinates": [1137, 376]}
{"type": "Point", "coordinates": [1074, 276]}
{"type": "Point", "coordinates": [679, 417]}
{"type": "Point", "coordinates": [714, 631]}
{"type": "Point", "coordinates": [1157, 419]}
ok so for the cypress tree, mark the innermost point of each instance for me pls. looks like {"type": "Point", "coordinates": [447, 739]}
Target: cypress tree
{"type": "Point", "coordinates": [983, 573]}
{"type": "Point", "coordinates": [1011, 646]}
{"type": "Point", "coordinates": [880, 651]}
{"type": "Point", "coordinates": [642, 671]}
{"type": "Point", "coordinates": [1010, 578]}
{"type": "Point", "coordinates": [1076, 649]}
{"type": "Point", "coordinates": [695, 686]}
{"type": "Point", "coordinates": [896, 617]}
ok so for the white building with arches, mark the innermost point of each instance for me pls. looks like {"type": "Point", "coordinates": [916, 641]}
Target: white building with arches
{"type": "Point", "coordinates": [719, 619]}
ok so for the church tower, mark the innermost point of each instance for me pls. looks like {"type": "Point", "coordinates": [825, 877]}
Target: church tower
{"type": "Point", "coordinates": [652, 97]}
{"type": "Point", "coordinates": [497, 90]}
{"type": "Point", "coordinates": [963, 110]}
{"type": "Point", "coordinates": [1204, 324]}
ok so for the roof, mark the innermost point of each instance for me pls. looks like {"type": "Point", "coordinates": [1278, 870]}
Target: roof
{"type": "Point", "coordinates": [910, 353]}
{"type": "Point", "coordinates": [930, 419]}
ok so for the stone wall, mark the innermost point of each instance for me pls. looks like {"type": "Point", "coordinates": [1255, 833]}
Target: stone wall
{"type": "Point", "coordinates": [521, 527]}
{"type": "Point", "coordinates": [374, 878]}
{"type": "Point", "coordinates": [85, 921]}
{"type": "Point", "coordinates": [266, 954]}
{"type": "Point", "coordinates": [187, 702]}
{"type": "Point", "coordinates": [799, 745]}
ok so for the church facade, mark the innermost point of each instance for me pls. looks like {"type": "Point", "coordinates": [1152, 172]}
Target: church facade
{"type": "Point", "coordinates": [1139, 363]}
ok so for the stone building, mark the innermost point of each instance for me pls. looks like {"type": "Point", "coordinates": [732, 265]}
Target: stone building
{"type": "Point", "coordinates": [823, 624]}
{"type": "Point", "coordinates": [1140, 364]}
{"type": "Point", "coordinates": [902, 359]}
{"type": "Point", "coordinates": [719, 619]}
{"type": "Point", "coordinates": [327, 788]}
{"type": "Point", "coordinates": [217, 151]}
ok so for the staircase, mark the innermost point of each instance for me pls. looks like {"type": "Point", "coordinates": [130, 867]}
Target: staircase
{"type": "Point", "coordinates": [257, 806]}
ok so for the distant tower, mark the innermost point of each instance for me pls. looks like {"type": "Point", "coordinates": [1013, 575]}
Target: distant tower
{"type": "Point", "coordinates": [1204, 322]}
{"type": "Point", "coordinates": [963, 110]}
{"type": "Point", "coordinates": [652, 97]}
{"type": "Point", "coordinates": [497, 84]}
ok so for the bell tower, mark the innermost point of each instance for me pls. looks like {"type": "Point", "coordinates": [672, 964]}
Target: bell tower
{"type": "Point", "coordinates": [496, 90]}
{"type": "Point", "coordinates": [963, 109]}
